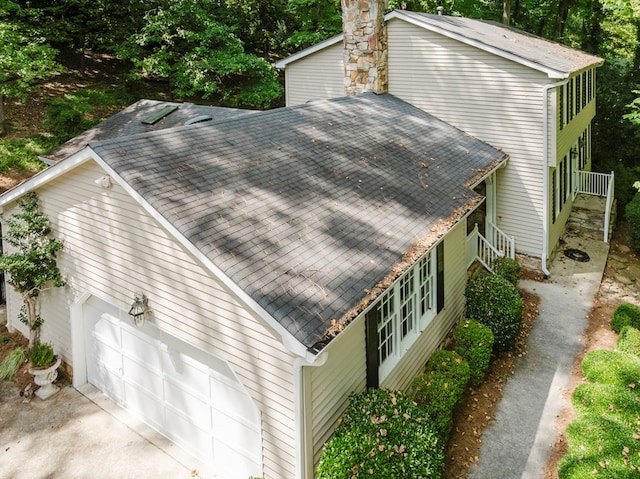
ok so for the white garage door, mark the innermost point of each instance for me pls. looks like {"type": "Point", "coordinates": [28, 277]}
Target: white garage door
{"type": "Point", "coordinates": [190, 396]}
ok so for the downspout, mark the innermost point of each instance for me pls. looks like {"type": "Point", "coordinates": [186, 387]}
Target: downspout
{"type": "Point", "coordinates": [302, 458]}
{"type": "Point", "coordinates": [545, 174]}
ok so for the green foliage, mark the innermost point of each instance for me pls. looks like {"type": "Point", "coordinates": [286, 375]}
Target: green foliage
{"type": "Point", "coordinates": [603, 439]}
{"type": "Point", "coordinates": [612, 367]}
{"type": "Point", "coordinates": [627, 314]}
{"type": "Point", "coordinates": [440, 388]}
{"type": "Point", "coordinates": [42, 355]}
{"type": "Point", "coordinates": [25, 58]}
{"type": "Point", "coordinates": [12, 362]}
{"type": "Point", "coordinates": [313, 21]}
{"type": "Point", "coordinates": [66, 116]}
{"type": "Point", "coordinates": [381, 435]}
{"type": "Point", "coordinates": [474, 343]}
{"type": "Point", "coordinates": [22, 154]}
{"type": "Point", "coordinates": [187, 43]}
{"type": "Point", "coordinates": [632, 215]}
{"type": "Point", "coordinates": [32, 267]}
{"type": "Point", "coordinates": [629, 340]}
{"type": "Point", "coordinates": [508, 268]}
{"type": "Point", "coordinates": [600, 446]}
{"type": "Point", "coordinates": [496, 303]}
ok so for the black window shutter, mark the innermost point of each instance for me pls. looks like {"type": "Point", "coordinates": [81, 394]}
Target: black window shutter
{"type": "Point", "coordinates": [440, 276]}
{"type": "Point", "coordinates": [371, 333]}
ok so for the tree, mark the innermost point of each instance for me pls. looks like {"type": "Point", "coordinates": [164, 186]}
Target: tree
{"type": "Point", "coordinates": [24, 59]}
{"type": "Point", "coordinates": [187, 43]}
{"type": "Point", "coordinates": [33, 267]}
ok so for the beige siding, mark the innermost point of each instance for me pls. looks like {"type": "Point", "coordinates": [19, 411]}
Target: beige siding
{"type": "Point", "coordinates": [113, 248]}
{"type": "Point", "coordinates": [489, 97]}
{"type": "Point", "coordinates": [344, 372]}
{"type": "Point", "coordinates": [317, 76]}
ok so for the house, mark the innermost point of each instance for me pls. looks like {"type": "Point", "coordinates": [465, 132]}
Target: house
{"type": "Point", "coordinates": [533, 98]}
{"type": "Point", "coordinates": [280, 260]}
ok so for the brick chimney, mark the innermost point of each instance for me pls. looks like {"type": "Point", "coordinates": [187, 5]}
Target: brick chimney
{"type": "Point", "coordinates": [365, 46]}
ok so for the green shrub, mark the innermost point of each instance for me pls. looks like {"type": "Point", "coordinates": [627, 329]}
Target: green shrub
{"type": "Point", "coordinates": [632, 214]}
{"type": "Point", "coordinates": [496, 303]}
{"type": "Point", "coordinates": [382, 435]}
{"type": "Point", "coordinates": [440, 388]}
{"type": "Point", "coordinates": [612, 367]}
{"type": "Point", "coordinates": [607, 399]}
{"type": "Point", "coordinates": [508, 268]}
{"type": "Point", "coordinates": [474, 342]}
{"type": "Point", "coordinates": [629, 340]}
{"type": "Point", "coordinates": [626, 314]}
{"type": "Point", "coordinates": [600, 446]}
{"type": "Point", "coordinates": [12, 362]}
{"type": "Point", "coordinates": [41, 355]}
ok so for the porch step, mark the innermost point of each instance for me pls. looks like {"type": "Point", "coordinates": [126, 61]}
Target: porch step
{"type": "Point", "coordinates": [587, 217]}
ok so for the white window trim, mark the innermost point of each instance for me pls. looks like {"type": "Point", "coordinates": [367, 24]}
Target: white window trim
{"type": "Point", "coordinates": [400, 345]}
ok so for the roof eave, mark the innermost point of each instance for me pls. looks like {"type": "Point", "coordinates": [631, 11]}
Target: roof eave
{"type": "Point", "coordinates": [281, 64]}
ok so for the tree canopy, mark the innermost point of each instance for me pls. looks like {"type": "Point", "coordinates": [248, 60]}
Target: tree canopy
{"type": "Point", "coordinates": [222, 50]}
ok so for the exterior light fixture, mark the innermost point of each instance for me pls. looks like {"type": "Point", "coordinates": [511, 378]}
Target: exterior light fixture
{"type": "Point", "coordinates": [139, 309]}
{"type": "Point", "coordinates": [104, 182]}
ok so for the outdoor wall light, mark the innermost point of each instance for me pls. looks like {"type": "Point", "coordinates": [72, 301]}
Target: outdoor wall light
{"type": "Point", "coordinates": [104, 182]}
{"type": "Point", "coordinates": [139, 309]}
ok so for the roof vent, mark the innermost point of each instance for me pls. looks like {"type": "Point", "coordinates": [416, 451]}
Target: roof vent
{"type": "Point", "coordinates": [159, 115]}
{"type": "Point", "coordinates": [440, 9]}
{"type": "Point", "coordinates": [198, 119]}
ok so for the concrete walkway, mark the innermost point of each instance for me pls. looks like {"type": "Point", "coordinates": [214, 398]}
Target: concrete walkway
{"type": "Point", "coordinates": [517, 445]}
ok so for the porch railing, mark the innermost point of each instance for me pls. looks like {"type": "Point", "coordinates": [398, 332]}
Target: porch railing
{"type": "Point", "coordinates": [501, 241]}
{"type": "Point", "coordinates": [598, 184]}
{"type": "Point", "coordinates": [481, 249]}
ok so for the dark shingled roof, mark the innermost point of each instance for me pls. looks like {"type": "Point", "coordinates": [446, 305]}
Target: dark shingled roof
{"type": "Point", "coordinates": [129, 122]}
{"type": "Point", "coordinates": [307, 207]}
{"type": "Point", "coordinates": [509, 40]}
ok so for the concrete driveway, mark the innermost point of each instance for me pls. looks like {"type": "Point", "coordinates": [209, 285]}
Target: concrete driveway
{"type": "Point", "coordinates": [74, 436]}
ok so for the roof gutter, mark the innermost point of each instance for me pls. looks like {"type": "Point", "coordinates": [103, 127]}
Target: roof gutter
{"type": "Point", "coordinates": [545, 174]}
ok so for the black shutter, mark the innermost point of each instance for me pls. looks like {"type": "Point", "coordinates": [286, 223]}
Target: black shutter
{"type": "Point", "coordinates": [371, 333]}
{"type": "Point", "coordinates": [440, 276]}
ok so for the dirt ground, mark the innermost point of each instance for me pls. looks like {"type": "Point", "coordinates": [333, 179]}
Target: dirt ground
{"type": "Point", "coordinates": [478, 409]}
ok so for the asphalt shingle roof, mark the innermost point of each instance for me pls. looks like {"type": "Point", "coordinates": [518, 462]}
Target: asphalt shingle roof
{"type": "Point", "coordinates": [130, 122]}
{"type": "Point", "coordinates": [307, 207]}
{"type": "Point", "coordinates": [541, 51]}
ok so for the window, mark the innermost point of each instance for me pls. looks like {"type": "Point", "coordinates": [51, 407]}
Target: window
{"type": "Point", "coordinates": [402, 313]}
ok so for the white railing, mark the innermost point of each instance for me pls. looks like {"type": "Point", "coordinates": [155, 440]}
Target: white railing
{"type": "Point", "coordinates": [591, 183]}
{"type": "Point", "coordinates": [479, 248]}
{"type": "Point", "coordinates": [607, 210]}
{"type": "Point", "coordinates": [501, 241]}
{"type": "Point", "coordinates": [598, 184]}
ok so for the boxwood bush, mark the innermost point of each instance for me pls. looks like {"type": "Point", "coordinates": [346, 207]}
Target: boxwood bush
{"type": "Point", "coordinates": [508, 268]}
{"type": "Point", "coordinates": [474, 342]}
{"type": "Point", "coordinates": [496, 303]}
{"type": "Point", "coordinates": [629, 340]}
{"type": "Point", "coordinates": [632, 214]}
{"type": "Point", "coordinates": [626, 314]}
{"type": "Point", "coordinates": [612, 367]}
{"type": "Point", "coordinates": [440, 388]}
{"type": "Point", "coordinates": [382, 434]}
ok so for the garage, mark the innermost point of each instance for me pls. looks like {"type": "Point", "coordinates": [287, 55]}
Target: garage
{"type": "Point", "coordinates": [190, 396]}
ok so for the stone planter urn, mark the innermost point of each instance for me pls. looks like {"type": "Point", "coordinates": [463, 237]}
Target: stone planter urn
{"type": "Point", "coordinates": [44, 378]}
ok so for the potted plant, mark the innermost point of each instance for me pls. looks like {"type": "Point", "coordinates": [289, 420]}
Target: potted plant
{"type": "Point", "coordinates": [44, 367]}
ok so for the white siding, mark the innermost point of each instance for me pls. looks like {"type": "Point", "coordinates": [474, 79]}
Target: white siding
{"type": "Point", "coordinates": [345, 369]}
{"type": "Point", "coordinates": [489, 97]}
{"type": "Point", "coordinates": [317, 76]}
{"type": "Point", "coordinates": [113, 248]}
